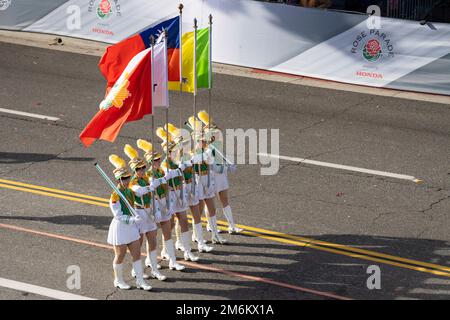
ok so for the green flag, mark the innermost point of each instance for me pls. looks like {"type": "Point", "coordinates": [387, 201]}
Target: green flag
{"type": "Point", "coordinates": [203, 63]}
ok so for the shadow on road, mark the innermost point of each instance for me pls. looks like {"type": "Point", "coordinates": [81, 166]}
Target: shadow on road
{"type": "Point", "coordinates": [10, 158]}
{"type": "Point", "coordinates": [301, 266]}
{"type": "Point", "coordinates": [98, 222]}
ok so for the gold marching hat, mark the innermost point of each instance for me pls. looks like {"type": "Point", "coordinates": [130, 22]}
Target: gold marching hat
{"type": "Point", "coordinates": [166, 137]}
{"type": "Point", "coordinates": [120, 165]}
{"type": "Point", "coordinates": [197, 128]}
{"type": "Point", "coordinates": [177, 134]}
{"type": "Point", "coordinates": [211, 127]}
{"type": "Point", "coordinates": [135, 161]}
{"type": "Point", "coordinates": [205, 118]}
{"type": "Point", "coordinates": [148, 148]}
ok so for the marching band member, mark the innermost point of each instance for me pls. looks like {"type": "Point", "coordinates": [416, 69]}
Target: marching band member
{"type": "Point", "coordinates": [123, 231]}
{"type": "Point", "coordinates": [202, 160]}
{"type": "Point", "coordinates": [162, 204]}
{"type": "Point", "coordinates": [220, 169]}
{"type": "Point", "coordinates": [177, 194]}
{"type": "Point", "coordinates": [140, 185]}
{"type": "Point", "coordinates": [191, 190]}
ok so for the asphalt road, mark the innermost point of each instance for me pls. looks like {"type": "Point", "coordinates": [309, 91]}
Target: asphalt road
{"type": "Point", "coordinates": [303, 202]}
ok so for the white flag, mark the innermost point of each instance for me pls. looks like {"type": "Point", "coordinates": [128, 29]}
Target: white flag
{"type": "Point", "coordinates": [160, 90]}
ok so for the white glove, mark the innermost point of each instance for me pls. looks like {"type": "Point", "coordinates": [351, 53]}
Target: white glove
{"type": "Point", "coordinates": [125, 219]}
{"type": "Point", "coordinates": [157, 182]}
{"type": "Point", "coordinates": [150, 189]}
{"type": "Point", "coordinates": [135, 220]}
{"type": "Point", "coordinates": [151, 215]}
{"type": "Point", "coordinates": [182, 166]}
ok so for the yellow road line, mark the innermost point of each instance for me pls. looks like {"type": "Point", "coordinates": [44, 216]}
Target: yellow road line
{"type": "Point", "coordinates": [261, 233]}
{"type": "Point", "coordinates": [43, 193]}
{"type": "Point", "coordinates": [347, 248]}
{"type": "Point", "coordinates": [21, 184]}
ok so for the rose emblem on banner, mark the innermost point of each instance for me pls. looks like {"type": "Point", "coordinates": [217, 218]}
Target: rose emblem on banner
{"type": "Point", "coordinates": [104, 9]}
{"type": "Point", "coordinates": [4, 4]}
{"type": "Point", "coordinates": [372, 50]}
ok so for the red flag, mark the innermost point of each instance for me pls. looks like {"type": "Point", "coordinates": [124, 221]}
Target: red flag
{"type": "Point", "coordinates": [117, 56]}
{"type": "Point", "coordinates": [129, 99]}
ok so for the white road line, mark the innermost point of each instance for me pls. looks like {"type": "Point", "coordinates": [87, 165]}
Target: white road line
{"type": "Point", "coordinates": [343, 167]}
{"type": "Point", "coordinates": [27, 114]}
{"type": "Point", "coordinates": [46, 292]}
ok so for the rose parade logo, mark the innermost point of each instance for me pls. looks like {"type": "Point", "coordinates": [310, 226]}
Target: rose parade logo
{"type": "Point", "coordinates": [104, 8]}
{"type": "Point", "coordinates": [4, 4]}
{"type": "Point", "coordinates": [373, 45]}
{"type": "Point", "coordinates": [372, 50]}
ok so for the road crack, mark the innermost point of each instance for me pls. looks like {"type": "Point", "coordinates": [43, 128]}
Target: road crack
{"type": "Point", "coordinates": [111, 294]}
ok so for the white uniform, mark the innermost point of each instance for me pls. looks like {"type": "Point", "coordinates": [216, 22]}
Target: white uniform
{"type": "Point", "coordinates": [161, 212]}
{"type": "Point", "coordinates": [190, 193]}
{"type": "Point", "coordinates": [178, 197]}
{"type": "Point", "coordinates": [206, 191]}
{"type": "Point", "coordinates": [220, 177]}
{"type": "Point", "coordinates": [121, 230]}
{"type": "Point", "coordinates": [148, 222]}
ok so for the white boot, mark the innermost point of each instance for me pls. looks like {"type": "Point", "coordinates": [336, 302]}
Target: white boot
{"type": "Point", "coordinates": [188, 255]}
{"type": "Point", "coordinates": [194, 231]}
{"type": "Point", "coordinates": [133, 274]}
{"type": "Point", "coordinates": [118, 277]}
{"type": "Point", "coordinates": [208, 220]}
{"type": "Point", "coordinates": [153, 261]}
{"type": "Point", "coordinates": [229, 216]}
{"type": "Point", "coordinates": [148, 263]}
{"type": "Point", "coordinates": [216, 238]}
{"type": "Point", "coordinates": [172, 259]}
{"type": "Point", "coordinates": [140, 282]}
{"type": "Point", "coordinates": [179, 242]}
{"type": "Point", "coordinates": [164, 254]}
{"type": "Point", "coordinates": [202, 247]}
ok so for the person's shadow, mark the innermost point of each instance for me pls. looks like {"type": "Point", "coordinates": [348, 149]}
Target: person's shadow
{"type": "Point", "coordinates": [14, 158]}
{"type": "Point", "coordinates": [338, 273]}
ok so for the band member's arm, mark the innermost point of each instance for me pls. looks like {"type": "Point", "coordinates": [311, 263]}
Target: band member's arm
{"type": "Point", "coordinates": [116, 209]}
{"type": "Point", "coordinates": [140, 190]}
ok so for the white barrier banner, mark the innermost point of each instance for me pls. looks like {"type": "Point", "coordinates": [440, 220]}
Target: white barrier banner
{"type": "Point", "coordinates": [323, 44]}
{"type": "Point", "coordinates": [373, 57]}
{"type": "Point", "coordinates": [105, 20]}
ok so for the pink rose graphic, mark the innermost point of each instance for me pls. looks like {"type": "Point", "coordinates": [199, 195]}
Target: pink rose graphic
{"type": "Point", "coordinates": [373, 47]}
{"type": "Point", "coordinates": [105, 6]}
{"type": "Point", "coordinates": [372, 50]}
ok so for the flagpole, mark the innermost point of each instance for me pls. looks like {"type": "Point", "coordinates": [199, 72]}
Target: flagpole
{"type": "Point", "coordinates": [152, 43]}
{"type": "Point", "coordinates": [195, 94]}
{"type": "Point", "coordinates": [180, 8]}
{"type": "Point", "coordinates": [209, 84]}
{"type": "Point", "coordinates": [166, 36]}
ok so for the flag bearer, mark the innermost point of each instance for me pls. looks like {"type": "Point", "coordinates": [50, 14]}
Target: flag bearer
{"type": "Point", "coordinates": [220, 169]}
{"type": "Point", "coordinates": [140, 185]}
{"type": "Point", "coordinates": [161, 200]}
{"type": "Point", "coordinates": [183, 156]}
{"type": "Point", "coordinates": [202, 161]}
{"type": "Point", "coordinates": [177, 194]}
{"type": "Point", "coordinates": [123, 231]}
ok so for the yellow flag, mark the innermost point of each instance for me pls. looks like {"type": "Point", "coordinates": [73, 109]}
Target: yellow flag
{"type": "Point", "coordinates": [187, 63]}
